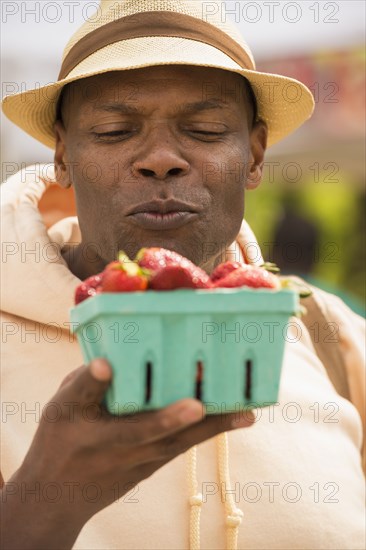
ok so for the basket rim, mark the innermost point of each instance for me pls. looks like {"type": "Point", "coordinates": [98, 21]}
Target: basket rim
{"type": "Point", "coordinates": [203, 302]}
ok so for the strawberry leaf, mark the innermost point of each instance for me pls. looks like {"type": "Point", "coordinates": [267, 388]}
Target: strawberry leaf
{"type": "Point", "coordinates": [147, 272]}
{"type": "Point", "coordinates": [140, 254]}
{"type": "Point", "coordinates": [302, 290]}
{"type": "Point", "coordinates": [269, 266]}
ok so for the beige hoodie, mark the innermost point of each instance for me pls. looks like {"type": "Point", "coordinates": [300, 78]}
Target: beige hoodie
{"type": "Point", "coordinates": [295, 475]}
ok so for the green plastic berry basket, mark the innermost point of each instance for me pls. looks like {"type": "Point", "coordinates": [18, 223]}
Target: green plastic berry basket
{"type": "Point", "coordinates": [157, 341]}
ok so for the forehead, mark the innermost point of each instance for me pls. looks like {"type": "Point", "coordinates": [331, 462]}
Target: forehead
{"type": "Point", "coordinates": [175, 84]}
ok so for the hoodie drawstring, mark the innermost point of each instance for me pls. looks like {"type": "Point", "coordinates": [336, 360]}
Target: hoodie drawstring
{"type": "Point", "coordinates": [233, 515]}
{"type": "Point", "coordinates": [195, 500]}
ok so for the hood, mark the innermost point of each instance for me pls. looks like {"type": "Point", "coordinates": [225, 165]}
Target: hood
{"type": "Point", "coordinates": [36, 282]}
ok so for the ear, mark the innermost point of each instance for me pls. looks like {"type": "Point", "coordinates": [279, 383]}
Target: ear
{"type": "Point", "coordinates": [62, 169]}
{"type": "Point", "coordinates": [258, 145]}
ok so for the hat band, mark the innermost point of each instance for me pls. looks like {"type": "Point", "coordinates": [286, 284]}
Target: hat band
{"type": "Point", "coordinates": [149, 24]}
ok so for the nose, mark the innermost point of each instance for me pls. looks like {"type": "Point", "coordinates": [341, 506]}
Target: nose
{"type": "Point", "coordinates": [160, 157]}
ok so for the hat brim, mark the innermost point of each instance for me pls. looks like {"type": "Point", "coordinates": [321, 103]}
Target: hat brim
{"type": "Point", "coordinates": [283, 103]}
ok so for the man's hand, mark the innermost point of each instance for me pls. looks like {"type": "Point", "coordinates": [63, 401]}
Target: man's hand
{"type": "Point", "coordinates": [87, 447]}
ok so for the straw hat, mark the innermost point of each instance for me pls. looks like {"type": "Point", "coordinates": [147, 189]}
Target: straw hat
{"type": "Point", "coordinates": [131, 34]}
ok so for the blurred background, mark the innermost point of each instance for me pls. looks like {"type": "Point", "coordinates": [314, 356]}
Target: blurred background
{"type": "Point", "coordinates": [308, 213]}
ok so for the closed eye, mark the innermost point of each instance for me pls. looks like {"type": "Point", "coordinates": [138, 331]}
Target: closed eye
{"type": "Point", "coordinates": [205, 135]}
{"type": "Point", "coordinates": [111, 134]}
{"type": "Point", "coordinates": [114, 136]}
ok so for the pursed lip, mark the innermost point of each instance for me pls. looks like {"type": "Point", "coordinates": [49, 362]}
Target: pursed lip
{"type": "Point", "coordinates": [160, 215]}
{"type": "Point", "coordinates": [163, 207]}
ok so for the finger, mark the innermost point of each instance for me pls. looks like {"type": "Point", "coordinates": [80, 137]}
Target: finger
{"type": "Point", "coordinates": [70, 376]}
{"type": "Point", "coordinates": [180, 442]}
{"type": "Point", "coordinates": [144, 466]}
{"type": "Point", "coordinates": [147, 427]}
{"type": "Point", "coordinates": [89, 383]}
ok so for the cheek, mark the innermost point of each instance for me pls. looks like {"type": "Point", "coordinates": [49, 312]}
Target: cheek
{"type": "Point", "coordinates": [94, 176]}
{"type": "Point", "coordinates": [229, 211]}
{"type": "Point", "coordinates": [226, 187]}
{"type": "Point", "coordinates": [90, 166]}
{"type": "Point", "coordinates": [104, 175]}
{"type": "Point", "coordinates": [225, 179]}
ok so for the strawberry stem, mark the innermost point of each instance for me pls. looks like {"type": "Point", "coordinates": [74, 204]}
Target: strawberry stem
{"type": "Point", "coordinates": [123, 258]}
{"type": "Point", "coordinates": [130, 267]}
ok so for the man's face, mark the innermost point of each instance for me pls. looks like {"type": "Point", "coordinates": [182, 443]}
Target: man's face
{"type": "Point", "coordinates": [155, 135]}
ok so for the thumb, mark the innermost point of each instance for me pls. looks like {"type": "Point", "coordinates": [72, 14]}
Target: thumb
{"type": "Point", "coordinates": [89, 383]}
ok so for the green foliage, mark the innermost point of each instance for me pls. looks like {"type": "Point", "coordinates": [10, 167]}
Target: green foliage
{"type": "Point", "coordinates": [336, 209]}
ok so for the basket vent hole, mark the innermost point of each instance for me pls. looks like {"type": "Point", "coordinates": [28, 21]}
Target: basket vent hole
{"type": "Point", "coordinates": [248, 379]}
{"type": "Point", "coordinates": [148, 381]}
{"type": "Point", "coordinates": [199, 380]}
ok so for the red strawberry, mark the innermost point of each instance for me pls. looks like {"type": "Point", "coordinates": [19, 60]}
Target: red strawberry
{"type": "Point", "coordinates": [169, 270]}
{"type": "Point", "coordinates": [224, 269]}
{"type": "Point", "coordinates": [173, 276]}
{"type": "Point", "coordinates": [254, 277]}
{"type": "Point", "coordinates": [155, 258]}
{"type": "Point", "coordinates": [123, 276]}
{"type": "Point", "coordinates": [90, 287]}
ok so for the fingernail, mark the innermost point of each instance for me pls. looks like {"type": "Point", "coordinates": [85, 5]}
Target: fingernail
{"type": "Point", "coordinates": [100, 370]}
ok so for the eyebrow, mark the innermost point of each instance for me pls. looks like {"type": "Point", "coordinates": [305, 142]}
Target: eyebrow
{"type": "Point", "coordinates": [206, 105]}
{"type": "Point", "coordinates": [189, 108]}
{"type": "Point", "coordinates": [122, 108]}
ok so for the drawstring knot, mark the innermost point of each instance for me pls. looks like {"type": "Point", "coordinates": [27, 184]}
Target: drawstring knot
{"type": "Point", "coordinates": [235, 519]}
{"type": "Point", "coordinates": [196, 500]}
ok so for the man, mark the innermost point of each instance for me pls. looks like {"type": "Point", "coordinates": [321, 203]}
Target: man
{"type": "Point", "coordinates": [169, 102]}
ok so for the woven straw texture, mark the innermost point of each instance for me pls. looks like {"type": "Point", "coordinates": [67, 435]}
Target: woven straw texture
{"type": "Point", "coordinates": [283, 103]}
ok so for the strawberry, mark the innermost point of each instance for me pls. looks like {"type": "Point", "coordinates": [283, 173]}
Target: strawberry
{"type": "Point", "coordinates": [176, 276]}
{"type": "Point", "coordinates": [155, 258]}
{"type": "Point", "coordinates": [123, 276]}
{"type": "Point", "coordinates": [224, 269]}
{"type": "Point", "coordinates": [252, 276]}
{"type": "Point", "coordinates": [90, 287]}
{"type": "Point", "coordinates": [169, 270]}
